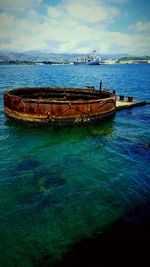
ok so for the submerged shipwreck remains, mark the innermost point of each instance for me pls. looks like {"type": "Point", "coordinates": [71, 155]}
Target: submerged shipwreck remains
{"type": "Point", "coordinates": [59, 105]}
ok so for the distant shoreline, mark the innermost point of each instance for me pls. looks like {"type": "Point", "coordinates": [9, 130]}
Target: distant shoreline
{"type": "Point", "coordinates": [35, 58]}
{"type": "Point", "coordinates": [67, 63]}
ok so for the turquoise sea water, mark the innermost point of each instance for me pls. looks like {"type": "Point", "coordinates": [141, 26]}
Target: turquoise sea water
{"type": "Point", "coordinates": [59, 185]}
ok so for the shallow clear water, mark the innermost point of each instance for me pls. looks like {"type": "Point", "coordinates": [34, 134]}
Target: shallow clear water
{"type": "Point", "coordinates": [58, 185]}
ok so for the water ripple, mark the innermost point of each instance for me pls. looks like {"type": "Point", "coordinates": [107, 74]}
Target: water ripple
{"type": "Point", "coordinates": [60, 185]}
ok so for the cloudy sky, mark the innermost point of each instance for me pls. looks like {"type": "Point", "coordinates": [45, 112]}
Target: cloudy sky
{"type": "Point", "coordinates": [109, 26]}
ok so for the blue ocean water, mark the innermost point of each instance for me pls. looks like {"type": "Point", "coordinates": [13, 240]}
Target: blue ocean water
{"type": "Point", "coordinates": [59, 185]}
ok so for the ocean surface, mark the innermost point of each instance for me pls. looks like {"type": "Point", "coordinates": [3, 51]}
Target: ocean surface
{"type": "Point", "coordinates": [59, 186]}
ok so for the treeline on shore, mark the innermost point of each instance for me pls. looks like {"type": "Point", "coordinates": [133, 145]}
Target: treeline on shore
{"type": "Point", "coordinates": [133, 58]}
{"type": "Point", "coordinates": [25, 62]}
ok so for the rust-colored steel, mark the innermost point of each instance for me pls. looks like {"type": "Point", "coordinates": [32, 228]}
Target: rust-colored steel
{"type": "Point", "coordinates": [59, 105]}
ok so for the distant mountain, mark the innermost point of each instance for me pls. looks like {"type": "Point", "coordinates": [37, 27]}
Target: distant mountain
{"type": "Point", "coordinates": [113, 56]}
{"type": "Point", "coordinates": [15, 56]}
{"type": "Point", "coordinates": [32, 56]}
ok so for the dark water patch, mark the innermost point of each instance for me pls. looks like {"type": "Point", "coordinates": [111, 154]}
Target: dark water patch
{"type": "Point", "coordinates": [45, 260]}
{"type": "Point", "coordinates": [140, 149]}
{"type": "Point", "coordinates": [31, 191]}
{"type": "Point", "coordinates": [51, 176]}
{"type": "Point", "coordinates": [135, 151]}
{"type": "Point", "coordinates": [32, 182]}
{"type": "Point", "coordinates": [51, 179]}
{"type": "Point", "coordinates": [123, 139]}
{"type": "Point", "coordinates": [64, 196]}
{"type": "Point", "coordinates": [69, 161]}
{"type": "Point", "coordinates": [28, 164]}
{"type": "Point", "coordinates": [42, 190]}
{"type": "Point", "coordinates": [125, 243]}
{"type": "Point", "coordinates": [138, 152]}
{"type": "Point", "coordinates": [145, 118]}
{"type": "Point", "coordinates": [100, 142]}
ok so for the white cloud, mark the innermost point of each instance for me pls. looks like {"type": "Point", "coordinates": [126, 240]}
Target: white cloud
{"type": "Point", "coordinates": [54, 12]}
{"type": "Point", "coordinates": [130, 43]}
{"type": "Point", "coordinates": [118, 1]}
{"type": "Point", "coordinates": [18, 5]}
{"type": "Point", "coordinates": [141, 26]}
{"type": "Point", "coordinates": [92, 13]}
{"type": "Point", "coordinates": [72, 26]}
{"type": "Point", "coordinates": [6, 20]}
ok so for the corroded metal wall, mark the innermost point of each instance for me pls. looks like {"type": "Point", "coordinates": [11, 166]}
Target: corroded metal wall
{"type": "Point", "coordinates": [55, 111]}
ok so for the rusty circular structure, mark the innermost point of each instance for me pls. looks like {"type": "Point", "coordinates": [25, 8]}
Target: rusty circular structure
{"type": "Point", "coordinates": [59, 105]}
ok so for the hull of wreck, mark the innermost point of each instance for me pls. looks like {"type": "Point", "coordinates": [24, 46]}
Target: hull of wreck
{"type": "Point", "coordinates": [84, 105]}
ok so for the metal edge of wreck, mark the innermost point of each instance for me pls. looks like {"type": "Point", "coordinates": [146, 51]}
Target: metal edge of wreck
{"type": "Point", "coordinates": [61, 112]}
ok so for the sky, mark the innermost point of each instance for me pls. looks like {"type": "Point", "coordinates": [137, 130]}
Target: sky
{"type": "Point", "coordinates": [76, 26]}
